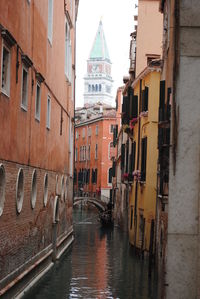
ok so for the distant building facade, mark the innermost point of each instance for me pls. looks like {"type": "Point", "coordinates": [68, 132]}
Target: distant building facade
{"type": "Point", "coordinates": [37, 78]}
{"type": "Point", "coordinates": [94, 150]}
{"type": "Point", "coordinates": [98, 79]}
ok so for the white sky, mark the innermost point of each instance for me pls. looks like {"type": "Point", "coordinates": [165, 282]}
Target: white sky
{"type": "Point", "coordinates": [118, 22]}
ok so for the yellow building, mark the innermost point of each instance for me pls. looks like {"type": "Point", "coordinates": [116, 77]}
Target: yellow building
{"type": "Point", "coordinates": [142, 197]}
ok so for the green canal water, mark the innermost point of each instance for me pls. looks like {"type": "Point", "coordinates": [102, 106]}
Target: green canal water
{"type": "Point", "coordinates": [100, 264]}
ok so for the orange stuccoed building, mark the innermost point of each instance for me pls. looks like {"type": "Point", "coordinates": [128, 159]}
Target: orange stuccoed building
{"type": "Point", "coordinates": [94, 150]}
{"type": "Point", "coordinates": [37, 78]}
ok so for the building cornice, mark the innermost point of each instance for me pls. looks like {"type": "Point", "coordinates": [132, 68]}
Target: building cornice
{"type": "Point", "coordinates": [87, 122]}
{"type": "Point", "coordinates": [144, 73]}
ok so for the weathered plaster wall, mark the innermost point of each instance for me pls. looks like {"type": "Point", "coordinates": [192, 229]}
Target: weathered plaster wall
{"type": "Point", "coordinates": [183, 226]}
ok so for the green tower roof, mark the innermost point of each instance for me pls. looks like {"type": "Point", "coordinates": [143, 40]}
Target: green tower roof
{"type": "Point", "coordinates": [99, 48]}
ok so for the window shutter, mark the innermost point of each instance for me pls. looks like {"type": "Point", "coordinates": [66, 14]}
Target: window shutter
{"type": "Point", "coordinates": [162, 101]}
{"type": "Point", "coordinates": [96, 175]}
{"type": "Point", "coordinates": [116, 128]}
{"type": "Point", "coordinates": [130, 102]}
{"type": "Point", "coordinates": [143, 100]}
{"type": "Point", "coordinates": [113, 168]}
{"type": "Point", "coordinates": [135, 107]}
{"type": "Point", "coordinates": [146, 96]}
{"type": "Point", "coordinates": [125, 110]}
{"type": "Point", "coordinates": [122, 155]}
{"type": "Point", "coordinates": [114, 136]}
{"type": "Point", "coordinates": [132, 157]}
{"type": "Point", "coordinates": [127, 155]}
{"type": "Point", "coordinates": [144, 158]}
{"type": "Point", "coordinates": [168, 112]}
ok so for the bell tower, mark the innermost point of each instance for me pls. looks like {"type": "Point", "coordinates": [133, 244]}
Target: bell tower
{"type": "Point", "coordinates": [98, 80]}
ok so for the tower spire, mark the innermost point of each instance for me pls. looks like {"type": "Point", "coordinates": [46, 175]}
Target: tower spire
{"type": "Point", "coordinates": [98, 80]}
{"type": "Point", "coordinates": [99, 48]}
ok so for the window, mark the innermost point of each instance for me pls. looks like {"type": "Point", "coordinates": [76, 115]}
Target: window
{"type": "Point", "coordinates": [94, 176]}
{"type": "Point", "coordinates": [96, 87]}
{"type": "Point", "coordinates": [20, 190]}
{"type": "Point", "coordinates": [112, 128]}
{"type": "Point", "coordinates": [50, 20]}
{"type": "Point", "coordinates": [48, 112]}
{"type": "Point", "coordinates": [80, 154]}
{"type": "Point", "coordinates": [68, 53]}
{"type": "Point", "coordinates": [76, 154]}
{"type": "Point", "coordinates": [133, 106]}
{"type": "Point", "coordinates": [76, 134]}
{"type": "Point", "coordinates": [5, 71]}
{"type": "Point", "coordinates": [45, 197]}
{"type": "Point", "coordinates": [145, 95]}
{"type": "Point", "coordinates": [37, 102]}
{"type": "Point", "coordinates": [111, 151]}
{"type": "Point", "coordinates": [89, 152]}
{"type": "Point", "coordinates": [89, 132]}
{"type": "Point", "coordinates": [132, 157]}
{"type": "Point", "coordinates": [100, 87]}
{"type": "Point", "coordinates": [143, 159]}
{"type": "Point", "coordinates": [97, 130]}
{"type": "Point", "coordinates": [83, 133]}
{"type": "Point", "coordinates": [110, 175]}
{"type": "Point", "coordinates": [2, 188]}
{"type": "Point", "coordinates": [24, 89]}
{"type": "Point", "coordinates": [89, 88]}
{"type": "Point", "coordinates": [96, 151]}
{"type": "Point", "coordinates": [33, 189]}
{"type": "Point", "coordinates": [83, 153]}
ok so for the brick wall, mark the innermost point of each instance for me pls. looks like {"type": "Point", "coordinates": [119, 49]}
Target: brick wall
{"type": "Point", "coordinates": [25, 234]}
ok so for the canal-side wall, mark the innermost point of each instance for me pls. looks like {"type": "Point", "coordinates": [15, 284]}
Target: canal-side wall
{"type": "Point", "coordinates": [27, 238]}
{"type": "Point", "coordinates": [37, 80]}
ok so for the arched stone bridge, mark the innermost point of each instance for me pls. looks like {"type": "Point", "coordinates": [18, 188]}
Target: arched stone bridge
{"type": "Point", "coordinates": [99, 204]}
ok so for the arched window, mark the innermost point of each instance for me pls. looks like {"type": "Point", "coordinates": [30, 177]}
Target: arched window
{"type": "Point", "coordinates": [110, 175]}
{"type": "Point", "coordinates": [96, 87]}
{"type": "Point", "coordinates": [45, 197]}
{"type": "Point", "coordinates": [20, 190]}
{"type": "Point", "coordinates": [100, 87]}
{"type": "Point", "coordinates": [34, 189]}
{"type": "Point", "coordinates": [93, 87]}
{"type": "Point", "coordinates": [89, 87]}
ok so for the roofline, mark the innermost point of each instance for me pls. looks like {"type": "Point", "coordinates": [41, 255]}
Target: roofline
{"type": "Point", "coordinates": [145, 72]}
{"type": "Point", "coordinates": [95, 120]}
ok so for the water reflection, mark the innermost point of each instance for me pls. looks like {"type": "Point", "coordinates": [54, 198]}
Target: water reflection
{"type": "Point", "coordinates": [99, 265]}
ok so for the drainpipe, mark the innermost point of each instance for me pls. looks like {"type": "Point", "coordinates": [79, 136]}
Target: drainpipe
{"type": "Point", "coordinates": [138, 161]}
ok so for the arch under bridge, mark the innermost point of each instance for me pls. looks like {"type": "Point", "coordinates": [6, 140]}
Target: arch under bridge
{"type": "Point", "coordinates": [98, 203]}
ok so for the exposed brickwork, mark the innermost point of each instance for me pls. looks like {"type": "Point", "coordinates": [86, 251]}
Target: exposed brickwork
{"type": "Point", "coordinates": [24, 235]}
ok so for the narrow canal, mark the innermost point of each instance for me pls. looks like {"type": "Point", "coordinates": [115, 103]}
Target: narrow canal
{"type": "Point", "coordinates": [100, 264]}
